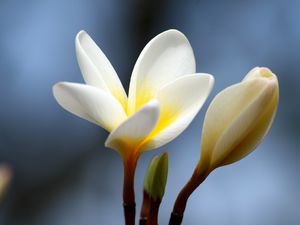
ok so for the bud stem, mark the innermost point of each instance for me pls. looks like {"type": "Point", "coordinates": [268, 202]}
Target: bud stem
{"type": "Point", "coordinates": [180, 204]}
{"type": "Point", "coordinates": [153, 214]}
{"type": "Point", "coordinates": [145, 208]}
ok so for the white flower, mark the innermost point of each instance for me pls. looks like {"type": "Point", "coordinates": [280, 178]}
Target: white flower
{"type": "Point", "coordinates": [238, 118]}
{"type": "Point", "coordinates": [165, 93]}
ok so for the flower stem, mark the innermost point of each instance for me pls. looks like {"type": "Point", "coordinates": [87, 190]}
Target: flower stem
{"type": "Point", "coordinates": [180, 204]}
{"type": "Point", "coordinates": [129, 213]}
{"type": "Point", "coordinates": [128, 189]}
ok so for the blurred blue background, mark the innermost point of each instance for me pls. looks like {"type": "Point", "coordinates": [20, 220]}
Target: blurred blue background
{"type": "Point", "coordinates": [62, 172]}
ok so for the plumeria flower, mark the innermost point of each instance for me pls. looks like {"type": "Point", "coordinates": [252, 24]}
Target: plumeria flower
{"type": "Point", "coordinates": [165, 93]}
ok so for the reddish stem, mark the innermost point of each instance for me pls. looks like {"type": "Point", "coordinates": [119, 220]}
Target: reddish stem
{"type": "Point", "coordinates": [153, 214]}
{"type": "Point", "coordinates": [145, 208]}
{"type": "Point", "coordinates": [128, 189]}
{"type": "Point", "coordinates": [180, 204]}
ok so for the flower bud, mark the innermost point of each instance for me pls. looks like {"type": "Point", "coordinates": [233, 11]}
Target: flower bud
{"type": "Point", "coordinates": [238, 118]}
{"type": "Point", "coordinates": [5, 178]}
{"type": "Point", "coordinates": [156, 177]}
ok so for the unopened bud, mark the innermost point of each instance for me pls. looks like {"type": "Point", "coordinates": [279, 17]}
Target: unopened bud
{"type": "Point", "coordinates": [156, 177]}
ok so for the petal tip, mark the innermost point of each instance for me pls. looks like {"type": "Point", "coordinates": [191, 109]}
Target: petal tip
{"type": "Point", "coordinates": [173, 33]}
{"type": "Point", "coordinates": [107, 142]}
{"type": "Point", "coordinates": [60, 88]}
{"type": "Point", "coordinates": [54, 86]}
{"type": "Point", "coordinates": [80, 33]}
{"type": "Point", "coordinates": [81, 37]}
{"type": "Point", "coordinates": [210, 79]}
{"type": "Point", "coordinates": [260, 72]}
{"type": "Point", "coordinates": [153, 103]}
{"type": "Point", "coordinates": [57, 86]}
{"type": "Point", "coordinates": [54, 89]}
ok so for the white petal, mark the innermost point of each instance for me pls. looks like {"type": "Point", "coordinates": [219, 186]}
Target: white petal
{"type": "Point", "coordinates": [90, 103]}
{"type": "Point", "coordinates": [180, 101]}
{"type": "Point", "coordinates": [96, 68]}
{"type": "Point", "coordinates": [258, 132]}
{"type": "Point", "coordinates": [129, 135]}
{"type": "Point", "coordinates": [166, 57]}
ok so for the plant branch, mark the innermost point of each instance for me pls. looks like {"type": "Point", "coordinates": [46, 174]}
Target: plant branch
{"type": "Point", "coordinates": [153, 213]}
{"type": "Point", "coordinates": [130, 163]}
{"type": "Point", "coordinates": [180, 204]}
{"type": "Point", "coordinates": [145, 208]}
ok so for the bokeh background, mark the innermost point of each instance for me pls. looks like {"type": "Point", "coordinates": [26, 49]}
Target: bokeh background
{"type": "Point", "coordinates": [62, 174]}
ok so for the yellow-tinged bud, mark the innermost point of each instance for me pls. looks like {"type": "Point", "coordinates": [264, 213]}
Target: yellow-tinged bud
{"type": "Point", "coordinates": [5, 177]}
{"type": "Point", "coordinates": [156, 177]}
{"type": "Point", "coordinates": [238, 118]}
